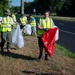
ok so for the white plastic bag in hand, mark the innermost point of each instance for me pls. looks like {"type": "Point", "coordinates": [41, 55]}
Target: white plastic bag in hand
{"type": "Point", "coordinates": [17, 38]}
{"type": "Point", "coordinates": [27, 29]}
{"type": "Point", "coordinates": [57, 33]}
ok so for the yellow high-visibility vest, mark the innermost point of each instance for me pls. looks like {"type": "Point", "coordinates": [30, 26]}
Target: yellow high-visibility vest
{"type": "Point", "coordinates": [44, 24]}
{"type": "Point", "coordinates": [33, 23]}
{"type": "Point", "coordinates": [23, 20]}
{"type": "Point", "coordinates": [6, 25]}
{"type": "Point", "coordinates": [14, 17]}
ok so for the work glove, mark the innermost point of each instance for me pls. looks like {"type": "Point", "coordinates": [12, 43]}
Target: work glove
{"type": "Point", "coordinates": [45, 29]}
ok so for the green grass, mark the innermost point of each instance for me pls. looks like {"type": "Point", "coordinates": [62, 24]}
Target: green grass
{"type": "Point", "coordinates": [72, 19]}
{"type": "Point", "coordinates": [58, 18]}
{"type": "Point", "coordinates": [64, 52]}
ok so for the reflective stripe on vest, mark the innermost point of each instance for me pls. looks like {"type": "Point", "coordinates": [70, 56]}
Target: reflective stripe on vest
{"type": "Point", "coordinates": [6, 25]}
{"type": "Point", "coordinates": [14, 17]}
{"type": "Point", "coordinates": [33, 23]}
{"type": "Point", "coordinates": [23, 20]}
{"type": "Point", "coordinates": [44, 24]}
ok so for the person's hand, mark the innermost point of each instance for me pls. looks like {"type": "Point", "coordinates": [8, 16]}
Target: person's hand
{"type": "Point", "coordinates": [45, 29]}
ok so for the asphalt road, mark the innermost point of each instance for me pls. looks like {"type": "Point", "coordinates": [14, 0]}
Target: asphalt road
{"type": "Point", "coordinates": [66, 34]}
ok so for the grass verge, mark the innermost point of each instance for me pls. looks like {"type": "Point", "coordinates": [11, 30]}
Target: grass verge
{"type": "Point", "coordinates": [59, 18]}
{"type": "Point", "coordinates": [24, 61]}
{"type": "Point", "coordinates": [64, 52]}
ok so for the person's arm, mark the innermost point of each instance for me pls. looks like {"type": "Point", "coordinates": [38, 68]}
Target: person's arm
{"type": "Point", "coordinates": [38, 25]}
{"type": "Point", "coordinates": [12, 22]}
{"type": "Point", "coordinates": [26, 20]}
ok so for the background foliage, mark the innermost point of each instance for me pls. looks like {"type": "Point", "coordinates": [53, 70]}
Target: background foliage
{"type": "Point", "coordinates": [60, 7]}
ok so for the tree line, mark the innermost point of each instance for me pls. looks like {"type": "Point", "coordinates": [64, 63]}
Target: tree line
{"type": "Point", "coordinates": [3, 4]}
{"type": "Point", "coordinates": [60, 7]}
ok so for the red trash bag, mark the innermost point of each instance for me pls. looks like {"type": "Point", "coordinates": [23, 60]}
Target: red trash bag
{"type": "Point", "coordinates": [48, 38]}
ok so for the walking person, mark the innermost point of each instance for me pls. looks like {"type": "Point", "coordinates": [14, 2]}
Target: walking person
{"type": "Point", "coordinates": [14, 16]}
{"type": "Point", "coordinates": [23, 21]}
{"type": "Point", "coordinates": [6, 28]}
{"type": "Point", "coordinates": [32, 22]}
{"type": "Point", "coordinates": [43, 25]}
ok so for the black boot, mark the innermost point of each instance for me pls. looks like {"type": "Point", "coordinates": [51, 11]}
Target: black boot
{"type": "Point", "coordinates": [2, 51]}
{"type": "Point", "coordinates": [40, 55]}
{"type": "Point", "coordinates": [8, 50]}
{"type": "Point", "coordinates": [46, 57]}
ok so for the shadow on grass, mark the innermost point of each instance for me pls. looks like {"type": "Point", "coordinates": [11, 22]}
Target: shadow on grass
{"type": "Point", "coordinates": [30, 72]}
{"type": "Point", "coordinates": [17, 56]}
{"type": "Point", "coordinates": [11, 48]}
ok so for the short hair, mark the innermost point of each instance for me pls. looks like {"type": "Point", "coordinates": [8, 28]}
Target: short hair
{"type": "Point", "coordinates": [15, 11]}
{"type": "Point", "coordinates": [46, 11]}
{"type": "Point", "coordinates": [22, 14]}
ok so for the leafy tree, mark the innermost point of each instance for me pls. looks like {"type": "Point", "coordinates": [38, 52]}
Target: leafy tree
{"type": "Point", "coordinates": [51, 5]}
{"type": "Point", "coordinates": [61, 7]}
{"type": "Point", "coordinates": [3, 4]}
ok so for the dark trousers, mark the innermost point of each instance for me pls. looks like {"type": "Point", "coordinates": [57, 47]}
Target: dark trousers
{"type": "Point", "coordinates": [6, 37]}
{"type": "Point", "coordinates": [41, 46]}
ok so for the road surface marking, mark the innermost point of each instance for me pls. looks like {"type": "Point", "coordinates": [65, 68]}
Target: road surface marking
{"type": "Point", "coordinates": [67, 31]}
{"type": "Point", "coordinates": [61, 23]}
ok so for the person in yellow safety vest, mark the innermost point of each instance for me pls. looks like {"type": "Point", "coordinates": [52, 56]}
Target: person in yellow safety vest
{"type": "Point", "coordinates": [32, 22]}
{"type": "Point", "coordinates": [43, 25]}
{"type": "Point", "coordinates": [23, 21]}
{"type": "Point", "coordinates": [6, 26]}
{"type": "Point", "coordinates": [14, 16]}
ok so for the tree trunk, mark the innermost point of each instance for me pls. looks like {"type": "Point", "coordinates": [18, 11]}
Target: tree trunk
{"type": "Point", "coordinates": [22, 6]}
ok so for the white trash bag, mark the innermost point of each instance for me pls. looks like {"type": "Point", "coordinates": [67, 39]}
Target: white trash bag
{"type": "Point", "coordinates": [27, 29]}
{"type": "Point", "coordinates": [57, 33]}
{"type": "Point", "coordinates": [17, 38]}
